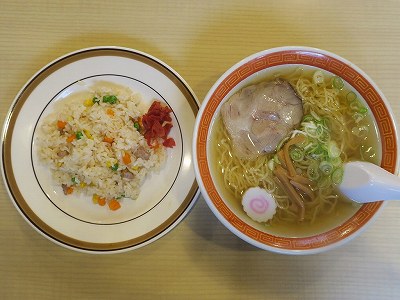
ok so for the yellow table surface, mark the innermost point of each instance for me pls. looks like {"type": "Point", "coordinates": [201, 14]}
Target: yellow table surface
{"type": "Point", "coordinates": [200, 258]}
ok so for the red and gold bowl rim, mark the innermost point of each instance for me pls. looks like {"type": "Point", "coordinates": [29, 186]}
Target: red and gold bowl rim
{"type": "Point", "coordinates": [277, 57]}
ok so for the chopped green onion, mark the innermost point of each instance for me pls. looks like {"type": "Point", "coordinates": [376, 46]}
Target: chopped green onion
{"type": "Point", "coordinates": [320, 151]}
{"type": "Point", "coordinates": [74, 180]}
{"type": "Point", "coordinates": [324, 137]}
{"type": "Point", "coordinates": [324, 122]}
{"type": "Point", "coordinates": [319, 156]}
{"type": "Point", "coordinates": [333, 149]}
{"type": "Point", "coordinates": [112, 99]}
{"type": "Point", "coordinates": [296, 154]}
{"type": "Point", "coordinates": [336, 161]}
{"type": "Point", "coordinates": [351, 96]}
{"type": "Point", "coordinates": [324, 182]}
{"type": "Point", "coordinates": [96, 100]}
{"type": "Point", "coordinates": [318, 77]}
{"type": "Point", "coordinates": [136, 125]}
{"type": "Point", "coordinates": [361, 131]}
{"type": "Point", "coordinates": [317, 152]}
{"type": "Point", "coordinates": [114, 167]}
{"type": "Point", "coordinates": [354, 105]}
{"type": "Point", "coordinates": [312, 171]}
{"type": "Point", "coordinates": [320, 129]}
{"type": "Point", "coordinates": [326, 167]}
{"type": "Point", "coordinates": [311, 130]}
{"type": "Point", "coordinates": [337, 83]}
{"type": "Point", "coordinates": [358, 117]}
{"type": "Point", "coordinates": [337, 176]}
{"type": "Point", "coordinates": [283, 141]}
{"type": "Point", "coordinates": [314, 130]}
{"type": "Point", "coordinates": [79, 135]}
{"type": "Point", "coordinates": [315, 116]}
{"type": "Point", "coordinates": [363, 110]}
{"type": "Point", "coordinates": [271, 164]}
{"type": "Point", "coordinates": [309, 146]}
{"type": "Point", "coordinates": [308, 118]}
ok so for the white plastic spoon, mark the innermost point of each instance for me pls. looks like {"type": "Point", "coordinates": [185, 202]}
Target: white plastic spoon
{"type": "Point", "coordinates": [364, 182]}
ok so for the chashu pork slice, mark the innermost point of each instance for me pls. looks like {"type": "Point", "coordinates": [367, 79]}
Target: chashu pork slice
{"type": "Point", "coordinates": [259, 116]}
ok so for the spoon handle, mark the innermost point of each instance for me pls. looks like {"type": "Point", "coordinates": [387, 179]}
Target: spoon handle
{"type": "Point", "coordinates": [364, 182]}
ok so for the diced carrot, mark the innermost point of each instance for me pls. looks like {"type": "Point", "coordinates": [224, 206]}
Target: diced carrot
{"type": "Point", "coordinates": [108, 139]}
{"type": "Point", "coordinates": [71, 138]}
{"type": "Point", "coordinates": [61, 124]}
{"type": "Point", "coordinates": [126, 158]}
{"type": "Point", "coordinates": [113, 204]}
{"type": "Point", "coordinates": [69, 190]}
{"type": "Point", "coordinates": [110, 112]}
{"type": "Point", "coordinates": [101, 201]}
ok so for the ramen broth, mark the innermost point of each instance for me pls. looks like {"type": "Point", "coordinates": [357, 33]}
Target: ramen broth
{"type": "Point", "coordinates": [369, 146]}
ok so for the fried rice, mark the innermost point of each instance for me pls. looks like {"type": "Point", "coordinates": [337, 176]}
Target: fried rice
{"type": "Point", "coordinates": [95, 144]}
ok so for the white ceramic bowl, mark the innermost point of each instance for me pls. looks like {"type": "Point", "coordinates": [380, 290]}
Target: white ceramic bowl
{"type": "Point", "coordinates": [259, 65]}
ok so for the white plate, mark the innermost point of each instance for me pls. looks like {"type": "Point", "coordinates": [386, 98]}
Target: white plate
{"type": "Point", "coordinates": [165, 198]}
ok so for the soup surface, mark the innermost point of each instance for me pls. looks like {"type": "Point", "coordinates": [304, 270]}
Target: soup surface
{"type": "Point", "coordinates": [336, 127]}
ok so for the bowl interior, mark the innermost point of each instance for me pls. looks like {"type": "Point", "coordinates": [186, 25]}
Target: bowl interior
{"type": "Point", "coordinates": [253, 69]}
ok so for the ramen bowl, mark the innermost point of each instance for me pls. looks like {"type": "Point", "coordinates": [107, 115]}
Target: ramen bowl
{"type": "Point", "coordinates": [316, 238]}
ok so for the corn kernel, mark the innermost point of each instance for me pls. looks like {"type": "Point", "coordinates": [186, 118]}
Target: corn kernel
{"type": "Point", "coordinates": [88, 134]}
{"type": "Point", "coordinates": [95, 198]}
{"type": "Point", "coordinates": [88, 102]}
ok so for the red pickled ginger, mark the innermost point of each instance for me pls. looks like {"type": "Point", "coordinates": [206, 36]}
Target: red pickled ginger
{"type": "Point", "coordinates": [157, 125]}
